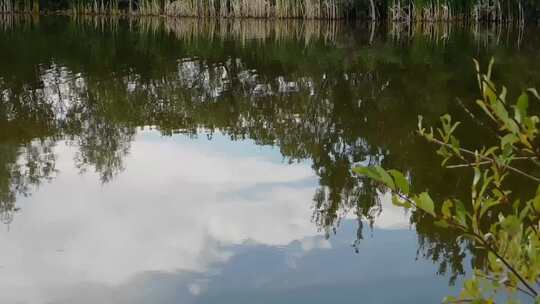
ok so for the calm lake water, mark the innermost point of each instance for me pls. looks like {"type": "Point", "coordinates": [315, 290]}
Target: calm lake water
{"type": "Point", "coordinates": [154, 161]}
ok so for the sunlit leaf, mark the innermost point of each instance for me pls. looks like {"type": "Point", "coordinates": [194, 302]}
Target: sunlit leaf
{"type": "Point", "coordinates": [367, 171]}
{"type": "Point", "coordinates": [477, 176]}
{"type": "Point", "coordinates": [425, 203]}
{"type": "Point", "coordinates": [446, 209]}
{"type": "Point", "coordinates": [421, 129]}
{"type": "Point", "coordinates": [486, 205]}
{"type": "Point", "coordinates": [490, 68]}
{"type": "Point", "coordinates": [482, 104]}
{"type": "Point", "coordinates": [511, 224]}
{"type": "Point", "coordinates": [509, 139]}
{"type": "Point", "coordinates": [536, 200]}
{"type": "Point", "coordinates": [376, 173]}
{"type": "Point", "coordinates": [401, 182]}
{"type": "Point", "coordinates": [534, 92]}
{"type": "Point", "coordinates": [399, 202]}
{"type": "Point", "coordinates": [385, 177]}
{"type": "Point", "coordinates": [442, 224]}
{"type": "Point", "coordinates": [503, 94]}
{"type": "Point", "coordinates": [461, 213]}
{"type": "Point", "coordinates": [521, 107]}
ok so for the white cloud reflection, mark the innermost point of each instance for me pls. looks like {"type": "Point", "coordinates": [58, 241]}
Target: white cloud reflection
{"type": "Point", "coordinates": [174, 209]}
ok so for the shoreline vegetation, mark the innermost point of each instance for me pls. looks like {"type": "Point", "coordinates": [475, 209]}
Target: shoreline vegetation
{"type": "Point", "coordinates": [404, 11]}
{"type": "Point", "coordinates": [486, 35]}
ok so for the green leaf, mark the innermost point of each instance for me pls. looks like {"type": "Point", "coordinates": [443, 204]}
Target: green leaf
{"type": "Point", "coordinates": [536, 203]}
{"type": "Point", "coordinates": [401, 182]}
{"type": "Point", "coordinates": [376, 173]}
{"type": "Point", "coordinates": [486, 205]}
{"type": "Point", "coordinates": [521, 107]}
{"type": "Point", "coordinates": [536, 200]}
{"type": "Point", "coordinates": [491, 151]}
{"type": "Point", "coordinates": [490, 68]}
{"type": "Point", "coordinates": [476, 65]}
{"type": "Point", "coordinates": [512, 225]}
{"type": "Point", "coordinates": [477, 176]}
{"type": "Point", "coordinates": [482, 104]}
{"type": "Point", "coordinates": [441, 224]}
{"type": "Point", "coordinates": [502, 114]}
{"type": "Point", "coordinates": [397, 201]}
{"type": "Point", "coordinates": [385, 177]}
{"type": "Point", "coordinates": [461, 213]}
{"type": "Point", "coordinates": [421, 129]}
{"type": "Point", "coordinates": [489, 90]}
{"type": "Point", "coordinates": [447, 209]}
{"type": "Point", "coordinates": [526, 211]}
{"type": "Point", "coordinates": [509, 139]}
{"type": "Point", "coordinates": [449, 299]}
{"type": "Point", "coordinates": [503, 94]}
{"type": "Point", "coordinates": [367, 171]}
{"type": "Point", "coordinates": [534, 92]}
{"type": "Point", "coordinates": [425, 203]}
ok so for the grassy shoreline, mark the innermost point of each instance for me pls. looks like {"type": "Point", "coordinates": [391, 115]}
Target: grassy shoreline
{"type": "Point", "coordinates": [402, 11]}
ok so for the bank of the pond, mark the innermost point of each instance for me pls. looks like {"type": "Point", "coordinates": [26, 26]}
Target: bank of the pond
{"type": "Point", "coordinates": [507, 11]}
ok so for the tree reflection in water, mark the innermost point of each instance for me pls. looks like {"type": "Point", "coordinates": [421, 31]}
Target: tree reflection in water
{"type": "Point", "coordinates": [327, 93]}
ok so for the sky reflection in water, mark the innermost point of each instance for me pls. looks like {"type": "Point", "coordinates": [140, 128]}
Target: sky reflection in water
{"type": "Point", "coordinates": [198, 221]}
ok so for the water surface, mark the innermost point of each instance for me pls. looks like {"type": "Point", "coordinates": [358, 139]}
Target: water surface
{"type": "Point", "coordinates": [181, 161]}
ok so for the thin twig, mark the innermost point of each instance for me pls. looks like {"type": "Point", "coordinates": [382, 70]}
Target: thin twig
{"type": "Point", "coordinates": [468, 165]}
{"type": "Point", "coordinates": [515, 170]}
{"type": "Point", "coordinates": [485, 163]}
{"type": "Point", "coordinates": [506, 283]}
{"type": "Point", "coordinates": [507, 264]}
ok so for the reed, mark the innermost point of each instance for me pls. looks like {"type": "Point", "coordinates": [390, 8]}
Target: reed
{"type": "Point", "coordinates": [404, 11]}
{"type": "Point", "coordinates": [149, 8]}
{"type": "Point", "coordinates": [278, 9]}
{"type": "Point", "coordinates": [18, 6]}
{"type": "Point", "coordinates": [250, 30]}
{"type": "Point", "coordinates": [95, 7]}
{"type": "Point", "coordinates": [479, 11]}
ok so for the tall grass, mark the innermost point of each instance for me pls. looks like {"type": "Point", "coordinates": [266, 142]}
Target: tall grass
{"type": "Point", "coordinates": [252, 29]}
{"type": "Point", "coordinates": [149, 8]}
{"type": "Point", "coordinates": [309, 9]}
{"type": "Point", "coordinates": [448, 10]}
{"type": "Point", "coordinates": [279, 9]}
{"type": "Point", "coordinates": [196, 29]}
{"type": "Point", "coordinates": [95, 7]}
{"type": "Point", "coordinates": [18, 6]}
{"type": "Point", "coordinates": [495, 11]}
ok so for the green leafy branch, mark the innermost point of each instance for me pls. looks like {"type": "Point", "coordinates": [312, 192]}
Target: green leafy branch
{"type": "Point", "coordinates": [510, 238]}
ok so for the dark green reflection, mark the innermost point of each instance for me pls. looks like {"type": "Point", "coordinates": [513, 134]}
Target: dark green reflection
{"type": "Point", "coordinates": [333, 94]}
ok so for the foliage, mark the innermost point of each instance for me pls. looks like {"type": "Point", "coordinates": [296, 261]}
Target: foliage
{"type": "Point", "coordinates": [493, 218]}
